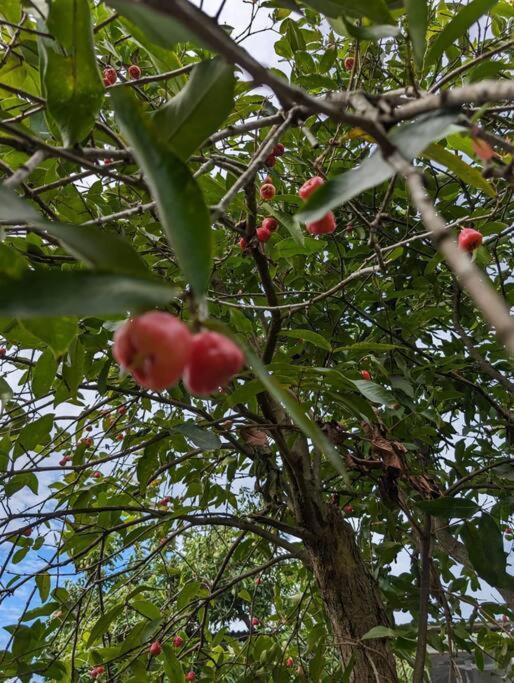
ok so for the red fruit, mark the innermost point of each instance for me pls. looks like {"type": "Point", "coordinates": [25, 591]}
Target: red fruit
{"type": "Point", "coordinates": [87, 441]}
{"type": "Point", "coordinates": [258, 581]}
{"type": "Point", "coordinates": [154, 348]}
{"type": "Point", "coordinates": [482, 149]}
{"type": "Point", "coordinates": [256, 621]}
{"type": "Point", "coordinates": [310, 186]}
{"type": "Point", "coordinates": [243, 244]}
{"type": "Point", "coordinates": [348, 509]}
{"type": "Point", "coordinates": [164, 501]}
{"type": "Point", "coordinates": [3, 351]}
{"type": "Point", "coordinates": [155, 648]}
{"type": "Point", "coordinates": [122, 410]}
{"type": "Point", "coordinates": [134, 71]}
{"type": "Point", "coordinates": [178, 641]}
{"type": "Point", "coordinates": [110, 76]}
{"type": "Point", "coordinates": [279, 150]}
{"type": "Point", "coordinates": [64, 461]}
{"type": "Point", "coordinates": [214, 360]}
{"type": "Point", "coordinates": [470, 239]}
{"type": "Point", "coordinates": [325, 225]}
{"type": "Point", "coordinates": [270, 224]}
{"type": "Point", "coordinates": [190, 676]}
{"type": "Point", "coordinates": [96, 474]}
{"type": "Point", "coordinates": [27, 531]}
{"type": "Point", "coordinates": [97, 671]}
{"type": "Point", "coordinates": [263, 234]}
{"type": "Point", "coordinates": [119, 437]}
{"type": "Point", "coordinates": [289, 662]}
{"type": "Point", "coordinates": [267, 191]}
{"type": "Point", "coordinates": [366, 375]}
{"type": "Point", "coordinates": [107, 162]}
{"type": "Point", "coordinates": [270, 161]}
{"type": "Point", "coordinates": [348, 63]}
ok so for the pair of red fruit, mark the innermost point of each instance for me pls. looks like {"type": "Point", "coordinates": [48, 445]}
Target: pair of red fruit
{"type": "Point", "coordinates": [263, 232]}
{"type": "Point", "coordinates": [278, 151]}
{"type": "Point", "coordinates": [158, 349]}
{"type": "Point", "coordinates": [110, 74]}
{"type": "Point", "coordinates": [325, 225]}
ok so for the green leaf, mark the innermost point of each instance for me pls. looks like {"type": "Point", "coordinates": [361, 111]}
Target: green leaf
{"type": "Point", "coordinates": [288, 221]}
{"type": "Point", "coordinates": [375, 10]}
{"type": "Point", "coordinates": [308, 336]}
{"type": "Point", "coordinates": [5, 391]}
{"type": "Point", "coordinates": [73, 84]}
{"type": "Point", "coordinates": [147, 609]}
{"type": "Point", "coordinates": [199, 109]}
{"type": "Point", "coordinates": [172, 666]}
{"type": "Point", "coordinates": [102, 624]}
{"type": "Point", "coordinates": [57, 333]}
{"type": "Point", "coordinates": [180, 202]}
{"type": "Point", "coordinates": [43, 585]}
{"type": "Point", "coordinates": [296, 413]}
{"type": "Point", "coordinates": [449, 507]}
{"type": "Point", "coordinates": [417, 21]}
{"type": "Point", "coordinates": [369, 347]}
{"type": "Point", "coordinates": [485, 549]}
{"type": "Point", "coordinates": [379, 632]}
{"type": "Point", "coordinates": [374, 392]}
{"type": "Point", "coordinates": [411, 139]}
{"type": "Point", "coordinates": [202, 438]}
{"type": "Point", "coordinates": [159, 28]}
{"type": "Point", "coordinates": [36, 433]}
{"type": "Point", "coordinates": [19, 481]}
{"type": "Point", "coordinates": [53, 293]}
{"type": "Point", "coordinates": [43, 374]}
{"type": "Point", "coordinates": [98, 248]}
{"type": "Point", "coordinates": [468, 174]}
{"type": "Point", "coordinates": [345, 28]}
{"type": "Point", "coordinates": [457, 27]}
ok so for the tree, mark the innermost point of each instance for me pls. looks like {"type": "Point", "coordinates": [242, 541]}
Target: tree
{"type": "Point", "coordinates": [371, 425]}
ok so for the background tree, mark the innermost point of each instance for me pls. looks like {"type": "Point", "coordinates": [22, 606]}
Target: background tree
{"type": "Point", "coordinates": [358, 466]}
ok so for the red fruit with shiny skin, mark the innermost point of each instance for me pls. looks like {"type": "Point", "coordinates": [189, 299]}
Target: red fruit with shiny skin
{"type": "Point", "coordinates": [267, 191]}
{"type": "Point", "coordinates": [256, 621]}
{"type": "Point", "coordinates": [214, 360]}
{"type": "Point", "coordinates": [470, 239]}
{"type": "Point", "coordinates": [155, 648]}
{"type": "Point", "coordinates": [270, 224]}
{"type": "Point", "coordinates": [164, 501]}
{"type": "Point", "coordinates": [178, 641]}
{"type": "Point", "coordinates": [310, 186]}
{"type": "Point", "coordinates": [27, 531]}
{"type": "Point", "coordinates": [110, 76]}
{"type": "Point", "coordinates": [3, 351]}
{"type": "Point", "coordinates": [243, 244]}
{"type": "Point", "coordinates": [122, 410]}
{"type": "Point", "coordinates": [289, 662]}
{"type": "Point", "coordinates": [324, 226]}
{"type": "Point", "coordinates": [366, 375]}
{"type": "Point", "coordinates": [270, 161]}
{"type": "Point", "coordinates": [348, 63]}
{"type": "Point", "coordinates": [348, 509]}
{"type": "Point", "coordinates": [155, 348]}
{"type": "Point", "coordinates": [96, 475]}
{"type": "Point", "coordinates": [190, 676]}
{"type": "Point", "coordinates": [134, 71]}
{"type": "Point", "coordinates": [119, 437]}
{"type": "Point", "coordinates": [64, 461]}
{"type": "Point", "coordinates": [263, 234]}
{"type": "Point", "coordinates": [279, 150]}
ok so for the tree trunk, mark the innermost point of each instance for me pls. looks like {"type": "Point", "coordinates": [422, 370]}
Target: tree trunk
{"type": "Point", "coordinates": [351, 600]}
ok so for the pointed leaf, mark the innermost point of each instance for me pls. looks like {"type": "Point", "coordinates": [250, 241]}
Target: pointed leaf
{"type": "Point", "coordinates": [180, 202]}
{"type": "Point", "coordinates": [468, 174]}
{"type": "Point", "coordinates": [417, 21]}
{"type": "Point", "coordinates": [485, 549]}
{"type": "Point", "coordinates": [308, 336]}
{"type": "Point", "coordinates": [43, 585]}
{"type": "Point", "coordinates": [288, 221]}
{"type": "Point", "coordinates": [374, 392]}
{"type": "Point", "coordinates": [102, 624]}
{"type": "Point", "coordinates": [201, 438]}
{"type": "Point", "coordinates": [449, 507]}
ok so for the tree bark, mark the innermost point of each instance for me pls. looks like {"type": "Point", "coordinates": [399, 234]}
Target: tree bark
{"type": "Point", "coordinates": [352, 602]}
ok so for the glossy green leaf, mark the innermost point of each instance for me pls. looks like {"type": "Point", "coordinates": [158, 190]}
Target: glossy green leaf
{"type": "Point", "coordinates": [449, 507]}
{"type": "Point", "coordinates": [485, 549]}
{"type": "Point", "coordinates": [411, 139]}
{"type": "Point", "coordinates": [181, 206]}
{"type": "Point", "coordinates": [468, 174]}
{"type": "Point", "coordinates": [201, 438]}
{"type": "Point", "coordinates": [43, 585]}
{"type": "Point", "coordinates": [375, 10]}
{"type": "Point", "coordinates": [369, 347]}
{"type": "Point", "coordinates": [102, 624]}
{"type": "Point", "coordinates": [379, 632]}
{"type": "Point", "coordinates": [73, 84]}
{"type": "Point", "coordinates": [308, 336]}
{"type": "Point", "coordinates": [57, 333]}
{"type": "Point", "coordinates": [146, 608]}
{"type": "Point", "coordinates": [457, 27]}
{"type": "Point", "coordinates": [288, 221]}
{"type": "Point", "coordinates": [345, 27]}
{"type": "Point", "coordinates": [96, 247]}
{"type": "Point", "coordinates": [374, 392]}
{"type": "Point", "coordinates": [172, 666]}
{"type": "Point", "coordinates": [43, 374]}
{"type": "Point", "coordinates": [5, 391]}
{"type": "Point", "coordinates": [417, 21]}
{"type": "Point", "coordinates": [35, 433]}
{"type": "Point", "coordinates": [199, 109]}
{"type": "Point", "coordinates": [19, 481]}
{"type": "Point", "coordinates": [62, 293]}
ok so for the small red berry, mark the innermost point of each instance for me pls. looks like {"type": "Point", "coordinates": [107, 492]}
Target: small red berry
{"type": "Point", "coordinates": [469, 239]}
{"type": "Point", "coordinates": [270, 224]}
{"type": "Point", "coordinates": [348, 509]}
{"type": "Point", "coordinates": [270, 161]}
{"type": "Point", "coordinates": [64, 461]}
{"type": "Point", "coordinates": [190, 676]}
{"type": "Point", "coordinates": [110, 76]}
{"type": "Point", "coordinates": [323, 226]}
{"type": "Point", "coordinates": [310, 186]}
{"type": "Point", "coordinates": [243, 244]}
{"type": "Point", "coordinates": [279, 150]}
{"type": "Point", "coordinates": [134, 71]}
{"type": "Point", "coordinates": [155, 648]}
{"type": "Point", "coordinates": [258, 581]}
{"type": "Point", "coordinates": [289, 662]}
{"type": "Point", "coordinates": [214, 360]}
{"type": "Point", "coordinates": [366, 375]}
{"type": "Point", "coordinates": [154, 348]}
{"type": "Point", "coordinates": [263, 234]}
{"type": "Point", "coordinates": [122, 410]}
{"type": "Point", "coordinates": [108, 162]}
{"type": "Point", "coordinates": [178, 641]}
{"type": "Point", "coordinates": [3, 351]}
{"type": "Point", "coordinates": [119, 437]}
{"type": "Point", "coordinates": [27, 531]}
{"type": "Point", "coordinates": [256, 621]}
{"type": "Point", "coordinates": [348, 63]}
{"type": "Point", "coordinates": [164, 501]}
{"type": "Point", "coordinates": [267, 191]}
{"type": "Point", "coordinates": [96, 474]}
